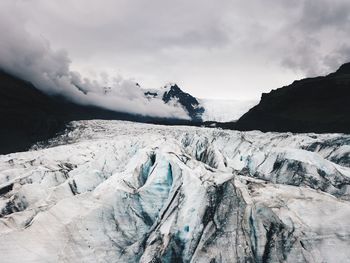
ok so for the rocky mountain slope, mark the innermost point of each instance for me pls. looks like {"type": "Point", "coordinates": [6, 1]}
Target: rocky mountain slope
{"type": "Point", "coordinates": [112, 191]}
{"type": "Point", "coordinates": [172, 92]}
{"type": "Point", "coordinates": [310, 105]}
{"type": "Point", "coordinates": [28, 115]}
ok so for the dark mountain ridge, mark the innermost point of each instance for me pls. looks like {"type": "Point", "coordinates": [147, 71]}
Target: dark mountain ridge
{"type": "Point", "coordinates": [319, 104]}
{"type": "Point", "coordinates": [28, 115]}
{"type": "Point", "coordinates": [173, 92]}
{"type": "Point", "coordinates": [189, 102]}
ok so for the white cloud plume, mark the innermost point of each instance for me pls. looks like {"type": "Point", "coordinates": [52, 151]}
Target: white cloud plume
{"type": "Point", "coordinates": [33, 59]}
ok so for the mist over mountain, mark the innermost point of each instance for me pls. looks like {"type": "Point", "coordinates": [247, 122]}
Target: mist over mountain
{"type": "Point", "coordinates": [30, 57]}
{"type": "Point", "coordinates": [172, 93]}
{"type": "Point", "coordinates": [29, 115]}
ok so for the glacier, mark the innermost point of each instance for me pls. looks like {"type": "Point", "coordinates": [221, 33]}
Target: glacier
{"type": "Point", "coordinates": [114, 191]}
{"type": "Point", "coordinates": [221, 110]}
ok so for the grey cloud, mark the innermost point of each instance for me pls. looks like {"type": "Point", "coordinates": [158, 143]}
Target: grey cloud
{"type": "Point", "coordinates": [336, 58]}
{"type": "Point", "coordinates": [319, 37]}
{"type": "Point", "coordinates": [320, 14]}
{"type": "Point", "coordinates": [33, 59]}
{"type": "Point", "coordinates": [189, 41]}
{"type": "Point", "coordinates": [137, 26]}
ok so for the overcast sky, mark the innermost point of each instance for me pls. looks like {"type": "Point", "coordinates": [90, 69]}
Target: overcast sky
{"type": "Point", "coordinates": [231, 49]}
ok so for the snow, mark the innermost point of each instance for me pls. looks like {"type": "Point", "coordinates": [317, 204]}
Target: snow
{"type": "Point", "coordinates": [225, 110]}
{"type": "Point", "coordinates": [160, 91]}
{"type": "Point", "coordinates": [113, 191]}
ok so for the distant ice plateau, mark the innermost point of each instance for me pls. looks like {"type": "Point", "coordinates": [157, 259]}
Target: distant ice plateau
{"type": "Point", "coordinates": [113, 191]}
{"type": "Point", "coordinates": [225, 110]}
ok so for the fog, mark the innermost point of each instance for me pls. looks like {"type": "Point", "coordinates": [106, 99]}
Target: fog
{"type": "Point", "coordinates": [31, 57]}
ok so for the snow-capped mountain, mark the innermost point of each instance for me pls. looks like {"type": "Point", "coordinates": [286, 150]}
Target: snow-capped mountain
{"type": "Point", "coordinates": [210, 110]}
{"type": "Point", "coordinates": [225, 110]}
{"type": "Point", "coordinates": [171, 93]}
{"type": "Point", "coordinates": [113, 191]}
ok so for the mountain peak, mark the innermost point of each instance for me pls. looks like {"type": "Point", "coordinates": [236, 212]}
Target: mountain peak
{"type": "Point", "coordinates": [171, 86]}
{"type": "Point", "coordinates": [344, 69]}
{"type": "Point", "coordinates": [189, 102]}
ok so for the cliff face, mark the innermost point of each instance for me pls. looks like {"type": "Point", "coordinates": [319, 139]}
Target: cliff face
{"type": "Point", "coordinates": [318, 104]}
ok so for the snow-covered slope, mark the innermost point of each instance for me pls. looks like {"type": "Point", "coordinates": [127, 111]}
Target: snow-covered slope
{"type": "Point", "coordinates": [171, 94]}
{"type": "Point", "coordinates": [225, 110]}
{"type": "Point", "coordinates": [112, 191]}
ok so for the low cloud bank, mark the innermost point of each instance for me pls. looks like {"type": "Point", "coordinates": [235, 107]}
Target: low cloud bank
{"type": "Point", "coordinates": [31, 58]}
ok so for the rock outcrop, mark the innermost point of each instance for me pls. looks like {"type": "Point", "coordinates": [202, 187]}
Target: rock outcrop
{"type": "Point", "coordinates": [318, 104]}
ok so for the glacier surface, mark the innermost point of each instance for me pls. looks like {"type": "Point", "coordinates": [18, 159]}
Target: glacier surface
{"type": "Point", "coordinates": [225, 110]}
{"type": "Point", "coordinates": [112, 191]}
